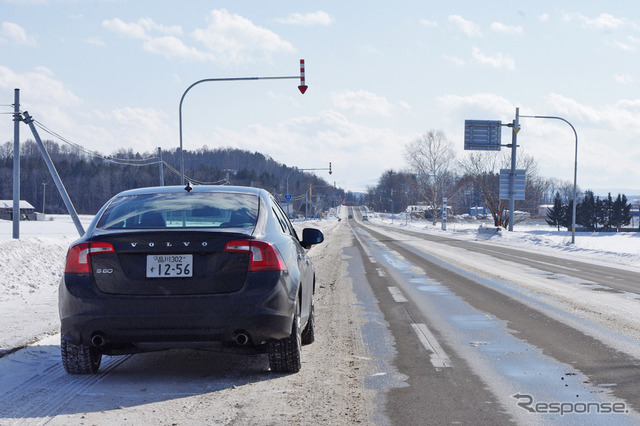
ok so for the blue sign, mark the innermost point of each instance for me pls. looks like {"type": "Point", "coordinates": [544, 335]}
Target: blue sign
{"type": "Point", "coordinates": [519, 186]}
{"type": "Point", "coordinates": [287, 197]}
{"type": "Point", "coordinates": [484, 135]}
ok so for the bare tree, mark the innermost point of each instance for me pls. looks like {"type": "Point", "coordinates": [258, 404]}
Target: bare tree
{"type": "Point", "coordinates": [431, 157]}
{"type": "Point", "coordinates": [482, 170]}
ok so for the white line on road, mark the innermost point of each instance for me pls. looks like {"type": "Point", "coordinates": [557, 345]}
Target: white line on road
{"type": "Point", "coordinates": [397, 295]}
{"type": "Point", "coordinates": [438, 357]}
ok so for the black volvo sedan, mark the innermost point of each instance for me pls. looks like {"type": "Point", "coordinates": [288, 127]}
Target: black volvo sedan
{"type": "Point", "coordinates": [203, 267]}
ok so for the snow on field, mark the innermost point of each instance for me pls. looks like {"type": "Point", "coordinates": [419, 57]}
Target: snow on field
{"type": "Point", "coordinates": [31, 267]}
{"type": "Point", "coordinates": [618, 247]}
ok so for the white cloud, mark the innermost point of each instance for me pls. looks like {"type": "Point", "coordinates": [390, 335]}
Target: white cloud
{"type": "Point", "coordinates": [362, 102]}
{"type": "Point", "coordinates": [14, 33]}
{"type": "Point", "coordinates": [308, 19]}
{"type": "Point", "coordinates": [623, 78]}
{"type": "Point", "coordinates": [228, 38]}
{"type": "Point", "coordinates": [232, 38]}
{"type": "Point", "coordinates": [497, 60]}
{"type": "Point", "coordinates": [467, 27]}
{"type": "Point", "coordinates": [140, 29]}
{"type": "Point", "coordinates": [40, 87]}
{"type": "Point", "coordinates": [132, 30]}
{"type": "Point", "coordinates": [428, 24]}
{"type": "Point", "coordinates": [604, 21]}
{"type": "Point", "coordinates": [454, 60]}
{"type": "Point", "coordinates": [624, 115]}
{"type": "Point", "coordinates": [544, 17]}
{"type": "Point", "coordinates": [142, 128]}
{"type": "Point", "coordinates": [476, 105]}
{"type": "Point", "coordinates": [624, 46]}
{"type": "Point", "coordinates": [507, 29]}
{"type": "Point", "coordinates": [95, 41]}
{"type": "Point", "coordinates": [173, 47]}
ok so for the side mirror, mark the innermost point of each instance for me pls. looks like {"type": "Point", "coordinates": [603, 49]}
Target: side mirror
{"type": "Point", "coordinates": [311, 236]}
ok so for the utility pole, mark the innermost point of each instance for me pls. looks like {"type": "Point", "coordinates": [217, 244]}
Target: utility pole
{"type": "Point", "coordinates": [512, 175]}
{"type": "Point", "coordinates": [44, 191]}
{"type": "Point", "coordinates": [17, 118]}
{"type": "Point", "coordinates": [160, 166]}
{"type": "Point", "coordinates": [54, 174]}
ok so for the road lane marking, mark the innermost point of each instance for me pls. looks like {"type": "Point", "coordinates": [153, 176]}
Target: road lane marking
{"type": "Point", "coordinates": [397, 295]}
{"type": "Point", "coordinates": [364, 248]}
{"type": "Point", "coordinates": [438, 356]}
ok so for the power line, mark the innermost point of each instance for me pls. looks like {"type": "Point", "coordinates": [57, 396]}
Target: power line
{"type": "Point", "coordinates": [126, 161]}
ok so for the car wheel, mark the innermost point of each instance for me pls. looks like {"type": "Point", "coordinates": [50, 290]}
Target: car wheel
{"type": "Point", "coordinates": [285, 354]}
{"type": "Point", "coordinates": [79, 359]}
{"type": "Point", "coordinates": [308, 334]}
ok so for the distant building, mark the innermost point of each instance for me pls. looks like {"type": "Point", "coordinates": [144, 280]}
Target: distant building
{"type": "Point", "coordinates": [6, 209]}
{"type": "Point", "coordinates": [543, 210]}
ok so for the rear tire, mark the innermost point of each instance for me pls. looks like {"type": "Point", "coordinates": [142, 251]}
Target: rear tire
{"type": "Point", "coordinates": [79, 359]}
{"type": "Point", "coordinates": [285, 354]}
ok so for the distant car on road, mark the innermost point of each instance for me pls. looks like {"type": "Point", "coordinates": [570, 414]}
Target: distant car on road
{"type": "Point", "coordinates": [350, 216]}
{"type": "Point", "coordinates": [208, 267]}
{"type": "Point", "coordinates": [365, 217]}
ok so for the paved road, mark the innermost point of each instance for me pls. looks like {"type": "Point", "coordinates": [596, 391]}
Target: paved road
{"type": "Point", "coordinates": [476, 349]}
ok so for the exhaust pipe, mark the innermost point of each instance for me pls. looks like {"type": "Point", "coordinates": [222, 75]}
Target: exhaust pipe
{"type": "Point", "coordinates": [241, 338]}
{"type": "Point", "coordinates": [98, 340]}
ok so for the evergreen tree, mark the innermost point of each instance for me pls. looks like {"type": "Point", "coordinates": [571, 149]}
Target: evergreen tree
{"type": "Point", "coordinates": [603, 211]}
{"type": "Point", "coordinates": [567, 217]}
{"type": "Point", "coordinates": [556, 215]}
{"type": "Point", "coordinates": [620, 212]}
{"type": "Point", "coordinates": [586, 212]}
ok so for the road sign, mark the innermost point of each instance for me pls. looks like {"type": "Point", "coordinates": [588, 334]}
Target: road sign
{"type": "Point", "coordinates": [287, 197]}
{"type": "Point", "coordinates": [519, 186]}
{"type": "Point", "coordinates": [484, 135]}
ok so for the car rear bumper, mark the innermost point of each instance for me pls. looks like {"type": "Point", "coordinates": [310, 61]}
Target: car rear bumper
{"type": "Point", "coordinates": [261, 311]}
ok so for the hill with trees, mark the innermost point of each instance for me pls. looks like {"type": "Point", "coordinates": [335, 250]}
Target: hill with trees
{"type": "Point", "coordinates": [91, 180]}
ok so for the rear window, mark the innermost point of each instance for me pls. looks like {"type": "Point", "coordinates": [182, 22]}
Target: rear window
{"type": "Point", "coordinates": [181, 210]}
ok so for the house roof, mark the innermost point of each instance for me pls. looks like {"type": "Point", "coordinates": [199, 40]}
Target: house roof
{"type": "Point", "coordinates": [8, 204]}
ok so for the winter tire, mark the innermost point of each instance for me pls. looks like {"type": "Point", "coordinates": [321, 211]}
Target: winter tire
{"type": "Point", "coordinates": [285, 354]}
{"type": "Point", "coordinates": [79, 359]}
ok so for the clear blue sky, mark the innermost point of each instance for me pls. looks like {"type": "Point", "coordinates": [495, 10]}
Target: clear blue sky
{"type": "Point", "coordinates": [109, 75]}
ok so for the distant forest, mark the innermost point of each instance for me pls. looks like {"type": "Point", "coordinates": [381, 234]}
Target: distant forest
{"type": "Point", "coordinates": [93, 180]}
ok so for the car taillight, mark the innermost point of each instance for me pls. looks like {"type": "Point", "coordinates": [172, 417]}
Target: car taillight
{"type": "Point", "coordinates": [79, 256]}
{"type": "Point", "coordinates": [263, 256]}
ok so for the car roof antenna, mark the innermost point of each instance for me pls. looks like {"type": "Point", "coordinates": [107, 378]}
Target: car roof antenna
{"type": "Point", "coordinates": [188, 188]}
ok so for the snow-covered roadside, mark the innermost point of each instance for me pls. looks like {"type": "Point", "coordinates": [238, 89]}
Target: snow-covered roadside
{"type": "Point", "coordinates": [30, 271]}
{"type": "Point", "coordinates": [622, 248]}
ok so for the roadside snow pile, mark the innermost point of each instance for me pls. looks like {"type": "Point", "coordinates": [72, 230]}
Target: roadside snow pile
{"type": "Point", "coordinates": [32, 264]}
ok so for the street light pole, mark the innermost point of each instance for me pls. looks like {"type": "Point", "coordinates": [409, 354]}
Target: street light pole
{"type": "Point", "coordinates": [302, 87]}
{"type": "Point", "coordinates": [575, 172]}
